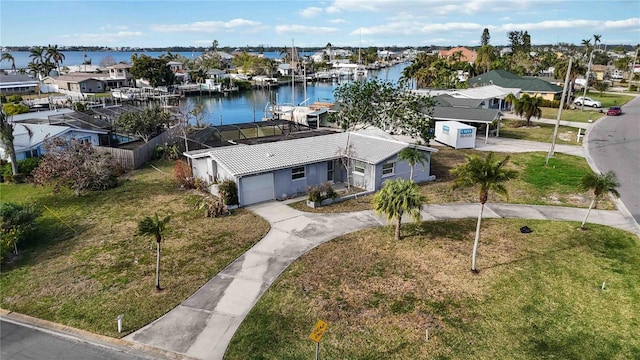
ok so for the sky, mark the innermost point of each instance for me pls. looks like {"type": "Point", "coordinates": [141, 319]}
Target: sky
{"type": "Point", "coordinates": [356, 23]}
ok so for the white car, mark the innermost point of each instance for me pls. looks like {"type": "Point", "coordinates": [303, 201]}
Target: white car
{"type": "Point", "coordinates": [587, 101]}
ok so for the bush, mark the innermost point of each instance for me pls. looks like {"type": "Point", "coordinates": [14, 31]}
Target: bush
{"type": "Point", "coordinates": [321, 192]}
{"type": "Point", "coordinates": [550, 103]}
{"type": "Point", "coordinates": [168, 152]}
{"type": "Point", "coordinates": [3, 98]}
{"type": "Point", "coordinates": [229, 192]}
{"type": "Point", "coordinates": [633, 88]}
{"type": "Point", "coordinates": [25, 167]}
{"type": "Point", "coordinates": [14, 109]}
{"type": "Point", "coordinates": [14, 99]}
{"type": "Point", "coordinates": [213, 207]}
{"type": "Point", "coordinates": [183, 175]}
{"type": "Point", "coordinates": [17, 224]}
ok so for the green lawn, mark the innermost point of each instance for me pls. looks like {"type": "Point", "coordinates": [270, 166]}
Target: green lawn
{"type": "Point", "coordinates": [516, 129]}
{"type": "Point", "coordinates": [86, 275]}
{"type": "Point", "coordinates": [572, 114]}
{"type": "Point", "coordinates": [537, 183]}
{"type": "Point", "coordinates": [538, 296]}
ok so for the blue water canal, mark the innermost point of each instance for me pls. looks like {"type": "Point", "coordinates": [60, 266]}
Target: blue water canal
{"type": "Point", "coordinates": [251, 106]}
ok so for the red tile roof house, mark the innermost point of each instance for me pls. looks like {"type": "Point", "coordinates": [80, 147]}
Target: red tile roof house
{"type": "Point", "coordinates": [466, 55]}
{"type": "Point", "coordinates": [282, 169]}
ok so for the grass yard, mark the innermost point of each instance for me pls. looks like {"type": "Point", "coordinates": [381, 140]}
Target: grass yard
{"type": "Point", "coordinates": [572, 114]}
{"type": "Point", "coordinates": [86, 278]}
{"type": "Point", "coordinates": [537, 183]}
{"type": "Point", "coordinates": [517, 129]}
{"type": "Point", "coordinates": [608, 99]}
{"type": "Point", "coordinates": [537, 296]}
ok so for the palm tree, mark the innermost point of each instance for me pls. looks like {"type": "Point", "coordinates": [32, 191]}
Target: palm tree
{"type": "Point", "coordinates": [413, 156]}
{"type": "Point", "coordinates": [8, 57]}
{"type": "Point", "coordinates": [601, 184]}
{"type": "Point", "coordinates": [396, 198]}
{"type": "Point", "coordinates": [154, 227]}
{"type": "Point", "coordinates": [55, 55]}
{"type": "Point", "coordinates": [6, 136]}
{"type": "Point", "coordinates": [510, 99]}
{"type": "Point", "coordinates": [528, 107]}
{"type": "Point", "coordinates": [488, 174]}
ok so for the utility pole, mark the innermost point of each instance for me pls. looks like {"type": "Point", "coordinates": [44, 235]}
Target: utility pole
{"type": "Point", "coordinates": [555, 129]}
{"type": "Point", "coordinates": [586, 85]}
{"type": "Point", "coordinates": [633, 69]}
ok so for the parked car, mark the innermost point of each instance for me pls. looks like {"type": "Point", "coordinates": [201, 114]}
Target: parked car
{"type": "Point", "coordinates": [614, 111]}
{"type": "Point", "coordinates": [587, 101]}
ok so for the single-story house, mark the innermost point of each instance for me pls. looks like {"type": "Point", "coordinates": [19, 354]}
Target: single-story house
{"type": "Point", "coordinates": [282, 169]}
{"type": "Point", "coordinates": [29, 138]}
{"type": "Point", "coordinates": [77, 83]}
{"type": "Point", "coordinates": [18, 84]}
{"type": "Point", "coordinates": [505, 79]}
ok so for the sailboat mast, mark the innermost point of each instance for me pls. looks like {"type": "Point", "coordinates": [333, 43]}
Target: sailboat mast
{"type": "Point", "coordinates": [293, 77]}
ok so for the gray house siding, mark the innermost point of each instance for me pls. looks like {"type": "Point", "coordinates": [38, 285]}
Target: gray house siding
{"type": "Point", "coordinates": [286, 186]}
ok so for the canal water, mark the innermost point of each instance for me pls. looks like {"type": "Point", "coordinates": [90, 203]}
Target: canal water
{"type": "Point", "coordinates": [251, 106]}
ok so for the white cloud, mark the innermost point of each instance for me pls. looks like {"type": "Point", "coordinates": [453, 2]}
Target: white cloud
{"type": "Point", "coordinates": [206, 26]}
{"type": "Point", "coordinates": [310, 12]}
{"type": "Point", "coordinates": [113, 27]}
{"type": "Point", "coordinates": [303, 29]}
{"type": "Point", "coordinates": [338, 21]}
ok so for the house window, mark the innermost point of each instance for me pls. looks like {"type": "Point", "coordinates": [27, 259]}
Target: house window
{"type": "Point", "coordinates": [99, 86]}
{"type": "Point", "coordinates": [359, 166]}
{"type": "Point", "coordinates": [83, 86]}
{"type": "Point", "coordinates": [387, 169]}
{"type": "Point", "coordinates": [31, 153]}
{"type": "Point", "coordinates": [330, 170]}
{"type": "Point", "coordinates": [297, 173]}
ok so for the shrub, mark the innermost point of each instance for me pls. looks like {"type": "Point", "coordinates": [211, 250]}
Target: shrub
{"type": "Point", "coordinates": [14, 98]}
{"type": "Point", "coordinates": [17, 223]}
{"type": "Point", "coordinates": [14, 109]}
{"type": "Point", "coordinates": [229, 192]}
{"type": "Point", "coordinates": [213, 207]}
{"type": "Point", "coordinates": [321, 192]}
{"type": "Point", "coordinates": [3, 98]}
{"type": "Point", "coordinates": [25, 167]}
{"type": "Point", "coordinates": [201, 185]}
{"type": "Point", "coordinates": [550, 103]}
{"type": "Point", "coordinates": [183, 175]}
{"type": "Point", "coordinates": [633, 88]}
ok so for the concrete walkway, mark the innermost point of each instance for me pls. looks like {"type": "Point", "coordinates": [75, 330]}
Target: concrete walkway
{"type": "Point", "coordinates": [204, 324]}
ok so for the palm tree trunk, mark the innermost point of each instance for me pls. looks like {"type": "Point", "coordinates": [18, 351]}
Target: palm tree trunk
{"type": "Point", "coordinates": [158, 267]}
{"type": "Point", "coordinates": [398, 227]}
{"type": "Point", "coordinates": [411, 173]}
{"type": "Point", "coordinates": [477, 240]}
{"type": "Point", "coordinates": [593, 202]}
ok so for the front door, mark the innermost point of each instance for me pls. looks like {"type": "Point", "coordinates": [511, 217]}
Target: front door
{"type": "Point", "coordinates": [330, 170]}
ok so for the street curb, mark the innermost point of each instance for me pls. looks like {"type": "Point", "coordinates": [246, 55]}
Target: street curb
{"type": "Point", "coordinates": [587, 155]}
{"type": "Point", "coordinates": [126, 346]}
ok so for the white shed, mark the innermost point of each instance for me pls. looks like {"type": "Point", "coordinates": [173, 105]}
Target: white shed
{"type": "Point", "coordinates": [455, 134]}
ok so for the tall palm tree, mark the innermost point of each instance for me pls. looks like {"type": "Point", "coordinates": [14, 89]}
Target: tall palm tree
{"type": "Point", "coordinates": [510, 99]}
{"type": "Point", "coordinates": [38, 54]}
{"type": "Point", "coordinates": [8, 57]}
{"type": "Point", "coordinates": [601, 184]}
{"type": "Point", "coordinates": [55, 55]}
{"type": "Point", "coordinates": [6, 136]}
{"type": "Point", "coordinates": [413, 156]}
{"type": "Point", "coordinates": [155, 227]}
{"type": "Point", "coordinates": [528, 107]}
{"type": "Point", "coordinates": [396, 198]}
{"type": "Point", "coordinates": [486, 174]}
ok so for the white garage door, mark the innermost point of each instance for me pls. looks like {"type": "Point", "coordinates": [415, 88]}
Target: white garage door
{"type": "Point", "coordinates": [257, 188]}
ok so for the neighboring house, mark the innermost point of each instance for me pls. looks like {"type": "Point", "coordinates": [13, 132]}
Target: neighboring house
{"type": "Point", "coordinates": [77, 83]}
{"type": "Point", "coordinates": [18, 84]}
{"type": "Point", "coordinates": [282, 169]}
{"type": "Point", "coordinates": [459, 54]}
{"type": "Point", "coordinates": [119, 76]}
{"type": "Point", "coordinates": [29, 138]}
{"type": "Point", "coordinates": [505, 79]}
{"type": "Point", "coordinates": [469, 111]}
{"type": "Point", "coordinates": [492, 95]}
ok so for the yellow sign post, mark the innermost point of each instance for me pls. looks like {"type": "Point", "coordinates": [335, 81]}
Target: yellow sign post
{"type": "Point", "coordinates": [317, 333]}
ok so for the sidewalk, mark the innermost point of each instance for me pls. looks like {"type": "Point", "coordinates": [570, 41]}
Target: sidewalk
{"type": "Point", "coordinates": [204, 324]}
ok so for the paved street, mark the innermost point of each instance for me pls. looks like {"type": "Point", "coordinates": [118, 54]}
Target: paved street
{"type": "Point", "coordinates": [21, 342]}
{"type": "Point", "coordinates": [613, 143]}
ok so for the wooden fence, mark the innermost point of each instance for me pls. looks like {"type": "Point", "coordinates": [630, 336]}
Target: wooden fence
{"type": "Point", "coordinates": [134, 158]}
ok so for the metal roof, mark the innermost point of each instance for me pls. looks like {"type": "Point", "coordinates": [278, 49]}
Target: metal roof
{"type": "Point", "coordinates": [465, 114]}
{"type": "Point", "coordinates": [371, 146]}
